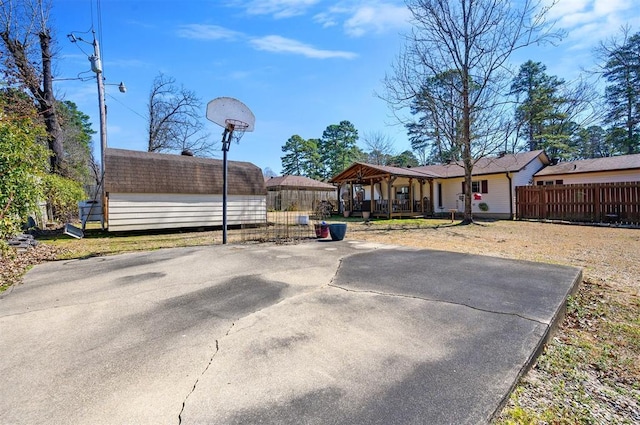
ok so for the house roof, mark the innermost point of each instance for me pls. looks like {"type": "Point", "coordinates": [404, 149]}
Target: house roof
{"type": "Point", "coordinates": [288, 181]}
{"type": "Point", "coordinates": [129, 171]}
{"type": "Point", "coordinates": [487, 165]}
{"type": "Point", "coordinates": [361, 171]}
{"type": "Point", "coordinates": [612, 163]}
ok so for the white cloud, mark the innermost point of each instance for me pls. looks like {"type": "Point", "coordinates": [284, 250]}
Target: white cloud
{"type": "Point", "coordinates": [207, 32]}
{"type": "Point", "coordinates": [362, 17]}
{"type": "Point", "coordinates": [279, 8]}
{"type": "Point", "coordinates": [278, 44]}
{"type": "Point", "coordinates": [589, 21]}
{"type": "Point", "coordinates": [376, 17]}
{"type": "Point", "coordinates": [325, 19]}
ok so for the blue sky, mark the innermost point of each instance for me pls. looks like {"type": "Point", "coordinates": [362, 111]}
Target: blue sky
{"type": "Point", "coordinates": [300, 65]}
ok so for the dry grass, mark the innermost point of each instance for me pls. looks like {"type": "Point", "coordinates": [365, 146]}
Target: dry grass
{"type": "Point", "coordinates": [590, 370]}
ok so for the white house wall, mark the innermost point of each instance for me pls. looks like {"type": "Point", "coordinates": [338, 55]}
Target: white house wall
{"type": "Point", "coordinates": [136, 211]}
{"type": "Point", "coordinates": [525, 176]}
{"type": "Point", "coordinates": [497, 197]}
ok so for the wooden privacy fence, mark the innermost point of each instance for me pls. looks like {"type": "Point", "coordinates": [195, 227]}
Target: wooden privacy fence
{"type": "Point", "coordinates": [594, 202]}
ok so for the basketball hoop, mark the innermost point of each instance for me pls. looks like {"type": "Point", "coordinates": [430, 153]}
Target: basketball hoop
{"type": "Point", "coordinates": [236, 119]}
{"type": "Point", "coordinates": [236, 129]}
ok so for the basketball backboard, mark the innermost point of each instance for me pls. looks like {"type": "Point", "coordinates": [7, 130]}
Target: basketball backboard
{"type": "Point", "coordinates": [227, 110]}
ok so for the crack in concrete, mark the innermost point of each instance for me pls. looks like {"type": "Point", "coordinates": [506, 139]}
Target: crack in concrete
{"type": "Point", "coordinates": [193, 389]}
{"type": "Point", "coordinates": [415, 297]}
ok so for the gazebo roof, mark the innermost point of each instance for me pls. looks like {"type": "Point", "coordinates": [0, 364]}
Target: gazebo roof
{"type": "Point", "coordinates": [363, 172]}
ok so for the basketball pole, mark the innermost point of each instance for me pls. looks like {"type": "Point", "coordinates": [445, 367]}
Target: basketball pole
{"type": "Point", "coordinates": [226, 142]}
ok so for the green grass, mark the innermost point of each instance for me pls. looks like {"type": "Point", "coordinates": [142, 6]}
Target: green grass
{"type": "Point", "coordinates": [395, 223]}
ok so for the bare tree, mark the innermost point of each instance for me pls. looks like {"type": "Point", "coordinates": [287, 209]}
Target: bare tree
{"type": "Point", "coordinates": [379, 147]}
{"type": "Point", "coordinates": [174, 121]}
{"type": "Point", "coordinates": [27, 44]}
{"type": "Point", "coordinates": [472, 39]}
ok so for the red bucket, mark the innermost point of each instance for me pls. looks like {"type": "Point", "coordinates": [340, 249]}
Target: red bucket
{"type": "Point", "coordinates": [322, 230]}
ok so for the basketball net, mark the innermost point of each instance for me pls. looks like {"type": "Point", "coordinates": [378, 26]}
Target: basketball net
{"type": "Point", "coordinates": [234, 130]}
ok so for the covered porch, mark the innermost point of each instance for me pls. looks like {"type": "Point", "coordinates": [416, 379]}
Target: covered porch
{"type": "Point", "coordinates": [384, 191]}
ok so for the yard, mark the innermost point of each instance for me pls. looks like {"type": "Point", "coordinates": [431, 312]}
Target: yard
{"type": "Point", "coordinates": [590, 369]}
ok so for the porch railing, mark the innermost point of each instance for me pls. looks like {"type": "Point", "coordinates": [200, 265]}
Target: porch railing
{"type": "Point", "coordinates": [397, 206]}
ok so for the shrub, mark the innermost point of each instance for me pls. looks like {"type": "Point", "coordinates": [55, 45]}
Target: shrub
{"type": "Point", "coordinates": [22, 161]}
{"type": "Point", "coordinates": [62, 195]}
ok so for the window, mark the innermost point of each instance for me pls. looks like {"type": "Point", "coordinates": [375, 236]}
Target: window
{"type": "Point", "coordinates": [439, 195]}
{"type": "Point", "coordinates": [402, 192]}
{"type": "Point", "coordinates": [478, 186]}
{"type": "Point", "coordinates": [548, 182]}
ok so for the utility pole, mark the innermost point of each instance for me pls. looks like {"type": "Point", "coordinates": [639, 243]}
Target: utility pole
{"type": "Point", "coordinates": [96, 66]}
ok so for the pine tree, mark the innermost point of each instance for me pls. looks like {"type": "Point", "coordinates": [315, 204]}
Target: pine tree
{"type": "Point", "coordinates": [622, 70]}
{"type": "Point", "coordinates": [539, 112]}
{"type": "Point", "coordinates": [338, 149]}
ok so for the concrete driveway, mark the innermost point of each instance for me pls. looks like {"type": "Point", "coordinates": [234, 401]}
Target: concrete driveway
{"type": "Point", "coordinates": [314, 333]}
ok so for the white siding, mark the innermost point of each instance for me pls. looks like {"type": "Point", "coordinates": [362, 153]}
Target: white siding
{"type": "Point", "coordinates": [497, 197]}
{"type": "Point", "coordinates": [525, 176]}
{"type": "Point", "coordinates": [601, 177]}
{"type": "Point", "coordinates": [136, 211]}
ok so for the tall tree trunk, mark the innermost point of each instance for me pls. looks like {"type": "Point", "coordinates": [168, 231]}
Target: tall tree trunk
{"type": "Point", "coordinates": [47, 106]}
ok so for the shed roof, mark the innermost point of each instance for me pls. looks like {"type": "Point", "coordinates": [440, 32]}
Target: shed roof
{"type": "Point", "coordinates": [129, 171]}
{"type": "Point", "coordinates": [511, 162]}
{"type": "Point", "coordinates": [297, 182]}
{"type": "Point", "coordinates": [612, 163]}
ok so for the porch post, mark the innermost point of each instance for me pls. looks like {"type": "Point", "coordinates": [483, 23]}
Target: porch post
{"type": "Point", "coordinates": [411, 200]}
{"type": "Point", "coordinates": [389, 206]}
{"type": "Point", "coordinates": [421, 196]}
{"type": "Point", "coordinates": [431, 200]}
{"type": "Point", "coordinates": [351, 204]}
{"type": "Point", "coordinates": [371, 200]}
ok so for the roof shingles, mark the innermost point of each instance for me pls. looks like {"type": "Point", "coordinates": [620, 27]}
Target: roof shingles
{"type": "Point", "coordinates": [622, 162]}
{"type": "Point", "coordinates": [297, 182]}
{"type": "Point", "coordinates": [129, 171]}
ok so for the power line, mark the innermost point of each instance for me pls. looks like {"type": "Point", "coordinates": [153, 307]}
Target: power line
{"type": "Point", "coordinates": [126, 106]}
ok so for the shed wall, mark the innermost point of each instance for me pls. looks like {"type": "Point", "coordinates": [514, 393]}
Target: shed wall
{"type": "Point", "coordinates": [148, 211]}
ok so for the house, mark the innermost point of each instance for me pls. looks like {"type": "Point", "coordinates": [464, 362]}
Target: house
{"type": "Point", "coordinates": [298, 193]}
{"type": "Point", "coordinates": [493, 183]}
{"type": "Point", "coordinates": [614, 169]}
{"type": "Point", "coordinates": [404, 192]}
{"type": "Point", "coordinates": [146, 190]}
